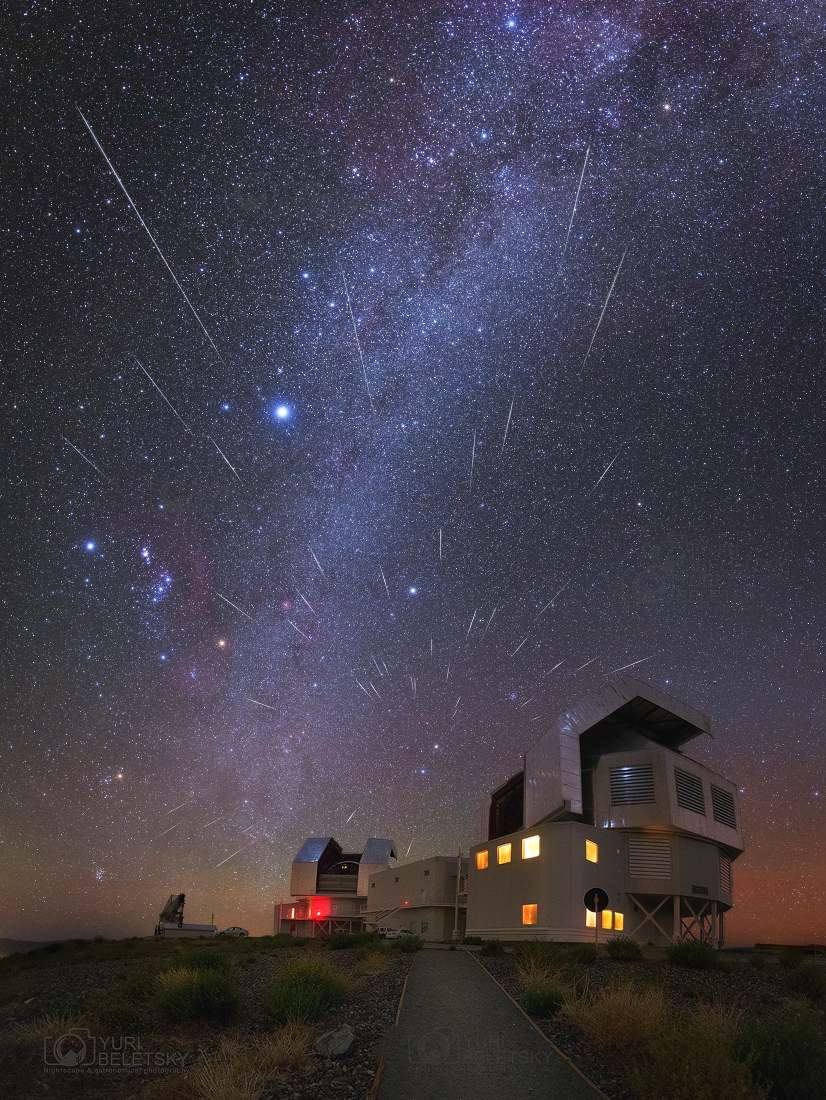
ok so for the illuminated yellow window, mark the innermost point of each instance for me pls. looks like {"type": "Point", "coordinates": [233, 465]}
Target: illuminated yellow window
{"type": "Point", "coordinates": [503, 853]}
{"type": "Point", "coordinates": [481, 860]}
{"type": "Point", "coordinates": [530, 847]}
{"type": "Point", "coordinates": [590, 919]}
{"type": "Point", "coordinates": [619, 922]}
{"type": "Point", "coordinates": [607, 918]}
{"type": "Point", "coordinates": [591, 851]}
{"type": "Point", "coordinates": [529, 914]}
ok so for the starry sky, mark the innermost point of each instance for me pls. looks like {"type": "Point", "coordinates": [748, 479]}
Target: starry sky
{"type": "Point", "coordinates": [460, 354]}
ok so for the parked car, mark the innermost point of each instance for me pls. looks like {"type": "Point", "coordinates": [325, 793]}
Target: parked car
{"type": "Point", "coordinates": [394, 933]}
{"type": "Point", "coordinates": [233, 931]}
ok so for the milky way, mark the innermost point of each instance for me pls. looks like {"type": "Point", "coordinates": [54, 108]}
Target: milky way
{"type": "Point", "coordinates": [518, 314]}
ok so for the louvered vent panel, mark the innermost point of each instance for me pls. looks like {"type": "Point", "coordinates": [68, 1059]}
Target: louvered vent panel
{"type": "Point", "coordinates": [723, 805]}
{"type": "Point", "coordinates": [689, 791]}
{"type": "Point", "coordinates": [725, 872]}
{"type": "Point", "coordinates": [649, 857]}
{"type": "Point", "coordinates": [632, 785]}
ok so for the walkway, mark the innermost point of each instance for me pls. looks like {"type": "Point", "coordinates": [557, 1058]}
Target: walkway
{"type": "Point", "coordinates": [460, 1038]}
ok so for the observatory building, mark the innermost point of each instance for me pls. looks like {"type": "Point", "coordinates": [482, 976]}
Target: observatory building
{"type": "Point", "coordinates": [609, 826]}
{"type": "Point", "coordinates": [329, 887]}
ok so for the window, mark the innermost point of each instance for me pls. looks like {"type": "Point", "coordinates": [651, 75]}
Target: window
{"type": "Point", "coordinates": [529, 914]}
{"type": "Point", "coordinates": [424, 926]}
{"type": "Point", "coordinates": [607, 918]}
{"type": "Point", "coordinates": [631, 786]}
{"type": "Point", "coordinates": [481, 860]}
{"type": "Point", "coordinates": [372, 886]}
{"type": "Point", "coordinates": [619, 922]}
{"type": "Point", "coordinates": [503, 853]}
{"type": "Point", "coordinates": [722, 803]}
{"type": "Point", "coordinates": [426, 873]}
{"type": "Point", "coordinates": [590, 919]}
{"type": "Point", "coordinates": [396, 879]}
{"type": "Point", "coordinates": [591, 851]}
{"type": "Point", "coordinates": [530, 847]}
{"type": "Point", "coordinates": [689, 791]}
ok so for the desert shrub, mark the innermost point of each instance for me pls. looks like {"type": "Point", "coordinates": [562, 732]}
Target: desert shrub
{"type": "Point", "coordinates": [542, 998]}
{"type": "Point", "coordinates": [694, 1060]}
{"type": "Point", "coordinates": [583, 954]}
{"type": "Point", "coordinates": [472, 941]}
{"type": "Point", "coordinates": [786, 1052]}
{"type": "Point", "coordinates": [238, 1069]}
{"type": "Point", "coordinates": [788, 959]}
{"type": "Point", "coordinates": [542, 952]}
{"type": "Point", "coordinates": [758, 960]}
{"type": "Point", "coordinates": [620, 1022]}
{"type": "Point", "coordinates": [338, 941]}
{"type": "Point", "coordinates": [205, 960]}
{"type": "Point", "coordinates": [408, 944]}
{"type": "Point", "coordinates": [808, 979]}
{"type": "Point", "coordinates": [184, 994]}
{"type": "Point", "coordinates": [624, 949]}
{"type": "Point", "coordinates": [114, 1010]}
{"type": "Point", "coordinates": [305, 991]}
{"type": "Point", "coordinates": [695, 955]}
{"type": "Point", "coordinates": [492, 947]}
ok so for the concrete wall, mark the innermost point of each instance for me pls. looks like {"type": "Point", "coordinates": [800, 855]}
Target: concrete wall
{"type": "Point", "coordinates": [425, 890]}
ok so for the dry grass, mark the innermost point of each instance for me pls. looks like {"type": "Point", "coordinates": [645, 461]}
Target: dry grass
{"type": "Point", "coordinates": [373, 962]}
{"type": "Point", "coordinates": [620, 1022]}
{"type": "Point", "coordinates": [239, 1069]}
{"type": "Point", "coordinates": [178, 975]}
{"type": "Point", "coordinates": [53, 1025]}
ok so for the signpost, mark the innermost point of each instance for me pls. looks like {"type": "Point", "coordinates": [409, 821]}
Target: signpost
{"type": "Point", "coordinates": [595, 901]}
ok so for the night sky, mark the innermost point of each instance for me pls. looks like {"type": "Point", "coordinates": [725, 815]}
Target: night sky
{"type": "Point", "coordinates": [340, 573]}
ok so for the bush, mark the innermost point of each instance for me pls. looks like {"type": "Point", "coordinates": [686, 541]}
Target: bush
{"type": "Point", "coordinates": [624, 949]}
{"type": "Point", "coordinates": [205, 960]}
{"type": "Point", "coordinates": [620, 1022]}
{"type": "Point", "coordinates": [786, 1052]}
{"type": "Point", "coordinates": [758, 960]}
{"type": "Point", "coordinates": [339, 941]}
{"type": "Point", "coordinates": [473, 941]}
{"type": "Point", "coordinates": [788, 959]}
{"type": "Point", "coordinates": [185, 994]}
{"type": "Point", "coordinates": [542, 998]}
{"type": "Point", "coordinates": [408, 944]}
{"type": "Point", "coordinates": [808, 979]}
{"type": "Point", "coordinates": [583, 954]}
{"type": "Point", "coordinates": [492, 947]}
{"type": "Point", "coordinates": [695, 955]}
{"type": "Point", "coordinates": [694, 1061]}
{"type": "Point", "coordinates": [305, 992]}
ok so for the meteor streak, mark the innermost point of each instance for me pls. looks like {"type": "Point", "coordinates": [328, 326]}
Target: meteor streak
{"type": "Point", "coordinates": [174, 808]}
{"type": "Point", "coordinates": [217, 819]}
{"type": "Point", "coordinates": [471, 625]}
{"type": "Point", "coordinates": [581, 667]}
{"type": "Point", "coordinates": [559, 593]}
{"type": "Point", "coordinates": [607, 468]}
{"type": "Point", "coordinates": [223, 861]}
{"type": "Point", "coordinates": [83, 456]}
{"type": "Point", "coordinates": [301, 632]}
{"type": "Point", "coordinates": [318, 563]}
{"type": "Point", "coordinates": [472, 459]}
{"type": "Point", "coordinates": [386, 586]}
{"type": "Point", "coordinates": [576, 201]}
{"type": "Point", "coordinates": [149, 234]}
{"type": "Point", "coordinates": [258, 703]}
{"type": "Point", "coordinates": [607, 300]}
{"type": "Point", "coordinates": [221, 453]}
{"type": "Point", "coordinates": [350, 818]}
{"type": "Point", "coordinates": [510, 412]}
{"type": "Point", "coordinates": [633, 663]}
{"type": "Point", "coordinates": [235, 605]}
{"type": "Point", "coordinates": [364, 689]}
{"type": "Point", "coordinates": [307, 602]}
{"type": "Point", "coordinates": [163, 395]}
{"type": "Point", "coordinates": [520, 645]}
{"type": "Point", "coordinates": [490, 620]}
{"type": "Point", "coordinates": [358, 342]}
{"type": "Point", "coordinates": [169, 830]}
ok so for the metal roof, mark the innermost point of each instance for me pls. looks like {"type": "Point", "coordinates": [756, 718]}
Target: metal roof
{"type": "Point", "coordinates": [314, 848]}
{"type": "Point", "coordinates": [377, 850]}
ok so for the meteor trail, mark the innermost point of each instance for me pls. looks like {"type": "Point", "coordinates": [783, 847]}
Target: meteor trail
{"type": "Point", "coordinates": [607, 468]}
{"type": "Point", "coordinates": [510, 412]}
{"type": "Point", "coordinates": [223, 861]}
{"type": "Point", "coordinates": [581, 667]}
{"type": "Point", "coordinates": [607, 300]}
{"type": "Point", "coordinates": [235, 605]}
{"type": "Point", "coordinates": [301, 632]}
{"type": "Point", "coordinates": [376, 663]}
{"type": "Point", "coordinates": [83, 456]}
{"type": "Point", "coordinates": [490, 620]}
{"type": "Point", "coordinates": [350, 818]}
{"type": "Point", "coordinates": [358, 342]}
{"type": "Point", "coordinates": [385, 582]}
{"type": "Point", "coordinates": [364, 689]}
{"type": "Point", "coordinates": [472, 459]}
{"type": "Point", "coordinates": [213, 822]}
{"type": "Point", "coordinates": [559, 593]}
{"type": "Point", "coordinates": [258, 703]}
{"type": "Point", "coordinates": [318, 563]}
{"type": "Point", "coordinates": [440, 544]}
{"type": "Point", "coordinates": [149, 234]}
{"type": "Point", "coordinates": [520, 645]}
{"type": "Point", "coordinates": [174, 808]}
{"type": "Point", "coordinates": [221, 453]}
{"type": "Point", "coordinates": [623, 667]}
{"type": "Point", "coordinates": [307, 602]}
{"type": "Point", "coordinates": [471, 625]}
{"type": "Point", "coordinates": [169, 830]}
{"type": "Point", "coordinates": [556, 666]}
{"type": "Point", "coordinates": [163, 395]}
{"type": "Point", "coordinates": [576, 201]}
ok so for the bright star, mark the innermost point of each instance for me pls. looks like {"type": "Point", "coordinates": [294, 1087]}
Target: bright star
{"type": "Point", "coordinates": [412, 591]}
{"type": "Point", "coordinates": [282, 412]}
{"type": "Point", "coordinates": [90, 545]}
